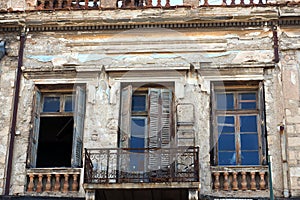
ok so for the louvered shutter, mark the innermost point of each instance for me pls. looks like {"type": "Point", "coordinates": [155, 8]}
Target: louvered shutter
{"type": "Point", "coordinates": [160, 108]}
{"type": "Point", "coordinates": [34, 133]}
{"type": "Point", "coordinates": [166, 112]}
{"type": "Point", "coordinates": [79, 110]}
{"type": "Point", "coordinates": [261, 106]}
{"type": "Point", "coordinates": [125, 118]}
{"type": "Point", "coordinates": [154, 127]}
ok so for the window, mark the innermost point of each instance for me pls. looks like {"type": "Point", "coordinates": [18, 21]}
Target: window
{"type": "Point", "coordinates": [238, 124]}
{"type": "Point", "coordinates": [56, 136]}
{"type": "Point", "coordinates": [146, 122]}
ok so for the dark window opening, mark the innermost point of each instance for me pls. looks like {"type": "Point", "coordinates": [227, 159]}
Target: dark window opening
{"type": "Point", "coordinates": [55, 142]}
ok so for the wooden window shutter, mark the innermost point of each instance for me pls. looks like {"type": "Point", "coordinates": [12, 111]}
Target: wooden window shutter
{"type": "Point", "coordinates": [34, 133]}
{"type": "Point", "coordinates": [79, 110]}
{"type": "Point", "coordinates": [160, 115]}
{"type": "Point", "coordinates": [261, 107]}
{"type": "Point", "coordinates": [214, 128]}
{"type": "Point", "coordinates": [125, 116]}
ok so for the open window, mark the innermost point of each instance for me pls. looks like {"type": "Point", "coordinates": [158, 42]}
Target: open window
{"type": "Point", "coordinates": [238, 128]}
{"type": "Point", "coordinates": [58, 119]}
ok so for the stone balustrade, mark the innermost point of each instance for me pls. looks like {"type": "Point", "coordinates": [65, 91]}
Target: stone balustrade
{"type": "Point", "coordinates": [240, 178]}
{"type": "Point", "coordinates": [53, 180]}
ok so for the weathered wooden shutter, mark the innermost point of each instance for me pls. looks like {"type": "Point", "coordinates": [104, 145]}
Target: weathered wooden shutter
{"type": "Point", "coordinates": [160, 108]}
{"type": "Point", "coordinates": [166, 127]}
{"type": "Point", "coordinates": [79, 110]}
{"type": "Point", "coordinates": [34, 133]}
{"type": "Point", "coordinates": [125, 116]}
{"type": "Point", "coordinates": [214, 127]}
{"type": "Point", "coordinates": [261, 106]}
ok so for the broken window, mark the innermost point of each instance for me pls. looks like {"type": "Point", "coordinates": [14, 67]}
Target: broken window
{"type": "Point", "coordinates": [56, 136]}
{"type": "Point", "coordinates": [238, 124]}
{"type": "Point", "coordinates": [146, 120]}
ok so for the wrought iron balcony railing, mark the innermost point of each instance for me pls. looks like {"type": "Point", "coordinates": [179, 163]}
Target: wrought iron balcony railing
{"type": "Point", "coordinates": [141, 165]}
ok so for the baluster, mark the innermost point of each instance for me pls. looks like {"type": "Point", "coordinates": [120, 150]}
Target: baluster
{"type": "Point", "coordinates": [260, 2]}
{"type": "Point", "coordinates": [149, 4]}
{"type": "Point", "coordinates": [123, 4]}
{"type": "Point", "coordinates": [251, 2]}
{"type": "Point", "coordinates": [69, 3]}
{"type": "Point", "coordinates": [75, 183]}
{"type": "Point", "coordinates": [242, 2]}
{"type": "Point", "coordinates": [59, 4]}
{"type": "Point", "coordinates": [224, 3]}
{"type": "Point", "coordinates": [66, 183]}
{"type": "Point", "coordinates": [39, 186]}
{"type": "Point", "coordinates": [167, 3]}
{"type": "Point", "coordinates": [217, 181]}
{"type": "Point", "coordinates": [57, 183]}
{"type": "Point", "coordinates": [42, 5]}
{"type": "Point", "coordinates": [262, 182]}
{"type": "Point", "coordinates": [30, 184]}
{"type": "Point", "coordinates": [159, 3]}
{"type": "Point", "coordinates": [252, 183]}
{"type": "Point", "coordinates": [244, 181]}
{"type": "Point", "coordinates": [205, 3]}
{"type": "Point", "coordinates": [234, 181]}
{"type": "Point", "coordinates": [86, 4]}
{"type": "Point", "coordinates": [232, 2]}
{"type": "Point", "coordinates": [226, 184]}
{"type": "Point", "coordinates": [50, 4]}
{"type": "Point", "coordinates": [77, 4]}
{"type": "Point", "coordinates": [48, 183]}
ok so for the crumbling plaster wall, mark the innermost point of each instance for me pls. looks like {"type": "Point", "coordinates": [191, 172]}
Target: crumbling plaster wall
{"type": "Point", "coordinates": [88, 52]}
{"type": "Point", "coordinates": [290, 62]}
{"type": "Point", "coordinates": [8, 65]}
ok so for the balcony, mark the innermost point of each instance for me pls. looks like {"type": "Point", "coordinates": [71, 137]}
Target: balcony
{"type": "Point", "coordinates": [161, 165]}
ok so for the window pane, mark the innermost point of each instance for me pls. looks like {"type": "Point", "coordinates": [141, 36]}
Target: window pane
{"type": "Point", "coordinates": [250, 97]}
{"type": "Point", "coordinates": [249, 142]}
{"type": "Point", "coordinates": [250, 158]}
{"type": "Point", "coordinates": [137, 139]}
{"type": "Point", "coordinates": [248, 124]}
{"type": "Point", "coordinates": [226, 124]}
{"type": "Point", "coordinates": [225, 101]}
{"type": "Point", "coordinates": [68, 104]}
{"type": "Point", "coordinates": [227, 158]}
{"type": "Point", "coordinates": [138, 103]}
{"type": "Point", "coordinates": [51, 104]}
{"type": "Point", "coordinates": [226, 142]}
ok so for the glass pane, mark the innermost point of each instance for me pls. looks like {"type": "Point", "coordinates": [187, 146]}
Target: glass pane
{"type": "Point", "coordinates": [247, 97]}
{"type": "Point", "coordinates": [51, 104]}
{"type": "Point", "coordinates": [250, 158]}
{"type": "Point", "coordinates": [68, 104]}
{"type": "Point", "coordinates": [226, 142]}
{"type": "Point", "coordinates": [249, 142]}
{"type": "Point", "coordinates": [225, 101]}
{"type": "Point", "coordinates": [248, 124]}
{"type": "Point", "coordinates": [226, 124]}
{"type": "Point", "coordinates": [138, 103]}
{"type": "Point", "coordinates": [137, 139]}
{"type": "Point", "coordinates": [227, 158]}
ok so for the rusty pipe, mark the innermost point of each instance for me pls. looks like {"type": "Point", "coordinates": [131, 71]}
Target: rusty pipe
{"type": "Point", "coordinates": [275, 44]}
{"type": "Point", "coordinates": [14, 115]}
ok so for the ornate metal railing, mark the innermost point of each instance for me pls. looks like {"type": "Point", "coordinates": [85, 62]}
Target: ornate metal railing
{"type": "Point", "coordinates": [97, 4]}
{"type": "Point", "coordinates": [240, 178]}
{"type": "Point", "coordinates": [141, 165]}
